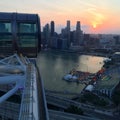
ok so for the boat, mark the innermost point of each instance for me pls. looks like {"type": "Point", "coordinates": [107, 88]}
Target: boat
{"type": "Point", "coordinates": [70, 78]}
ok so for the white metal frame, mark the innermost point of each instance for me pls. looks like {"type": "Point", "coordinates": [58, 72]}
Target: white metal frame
{"type": "Point", "coordinates": [8, 64]}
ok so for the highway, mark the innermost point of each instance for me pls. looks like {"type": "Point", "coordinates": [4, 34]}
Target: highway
{"type": "Point", "coordinates": [59, 115]}
{"type": "Point", "coordinates": [90, 111]}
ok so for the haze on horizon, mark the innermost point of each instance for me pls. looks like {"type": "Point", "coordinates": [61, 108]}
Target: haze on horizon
{"type": "Point", "coordinates": [95, 16]}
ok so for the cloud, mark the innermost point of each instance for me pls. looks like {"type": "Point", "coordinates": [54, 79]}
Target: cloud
{"type": "Point", "coordinates": [97, 18]}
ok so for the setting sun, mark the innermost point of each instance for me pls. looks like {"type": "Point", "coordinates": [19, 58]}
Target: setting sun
{"type": "Point", "coordinates": [94, 25]}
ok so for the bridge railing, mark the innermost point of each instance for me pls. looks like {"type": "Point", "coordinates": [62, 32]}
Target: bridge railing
{"type": "Point", "coordinates": [42, 98]}
{"type": "Point", "coordinates": [33, 105]}
{"type": "Point", "coordinates": [26, 110]}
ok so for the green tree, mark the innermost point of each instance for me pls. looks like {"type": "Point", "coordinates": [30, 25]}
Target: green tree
{"type": "Point", "coordinates": [116, 97]}
{"type": "Point", "coordinates": [74, 109]}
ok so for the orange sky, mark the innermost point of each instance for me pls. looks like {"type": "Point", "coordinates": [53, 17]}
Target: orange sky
{"type": "Point", "coordinates": [96, 16]}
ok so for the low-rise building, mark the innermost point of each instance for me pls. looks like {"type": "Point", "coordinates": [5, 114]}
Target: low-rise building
{"type": "Point", "coordinates": [108, 82]}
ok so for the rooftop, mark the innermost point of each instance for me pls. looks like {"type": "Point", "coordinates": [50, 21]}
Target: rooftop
{"type": "Point", "coordinates": [109, 80]}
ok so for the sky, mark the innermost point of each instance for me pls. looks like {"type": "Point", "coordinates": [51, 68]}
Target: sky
{"type": "Point", "coordinates": [96, 16]}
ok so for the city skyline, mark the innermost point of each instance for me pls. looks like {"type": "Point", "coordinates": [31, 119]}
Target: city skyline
{"type": "Point", "coordinates": [95, 16]}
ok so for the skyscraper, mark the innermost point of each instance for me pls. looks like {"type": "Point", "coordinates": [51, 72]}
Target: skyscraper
{"type": "Point", "coordinates": [78, 26]}
{"type": "Point", "coordinates": [68, 33]}
{"type": "Point", "coordinates": [46, 34]}
{"type": "Point", "coordinates": [68, 25]}
{"type": "Point", "coordinates": [52, 28]}
{"type": "Point", "coordinates": [78, 36]}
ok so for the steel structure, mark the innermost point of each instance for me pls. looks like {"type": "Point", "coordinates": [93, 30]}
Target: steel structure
{"type": "Point", "coordinates": [19, 72]}
{"type": "Point", "coordinates": [12, 72]}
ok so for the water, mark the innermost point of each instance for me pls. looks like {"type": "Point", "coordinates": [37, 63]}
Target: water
{"type": "Point", "coordinates": [54, 65]}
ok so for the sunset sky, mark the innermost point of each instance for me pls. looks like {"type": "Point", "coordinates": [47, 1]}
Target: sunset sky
{"type": "Point", "coordinates": [96, 16]}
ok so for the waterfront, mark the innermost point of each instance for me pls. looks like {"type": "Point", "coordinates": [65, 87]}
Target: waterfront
{"type": "Point", "coordinates": [54, 65]}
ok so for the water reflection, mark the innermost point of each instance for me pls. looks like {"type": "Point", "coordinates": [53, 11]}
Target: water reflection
{"type": "Point", "coordinates": [90, 63]}
{"type": "Point", "coordinates": [54, 65]}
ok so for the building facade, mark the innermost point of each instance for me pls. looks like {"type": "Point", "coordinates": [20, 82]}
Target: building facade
{"type": "Point", "coordinates": [19, 32]}
{"type": "Point", "coordinates": [52, 28]}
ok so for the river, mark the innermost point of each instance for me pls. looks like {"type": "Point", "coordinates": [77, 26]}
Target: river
{"type": "Point", "coordinates": [54, 65]}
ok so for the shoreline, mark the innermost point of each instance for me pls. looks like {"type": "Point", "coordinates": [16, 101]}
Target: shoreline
{"type": "Point", "coordinates": [80, 53]}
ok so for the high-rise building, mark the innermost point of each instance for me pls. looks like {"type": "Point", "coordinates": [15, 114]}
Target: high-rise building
{"type": "Point", "coordinates": [46, 35]}
{"type": "Point", "coordinates": [52, 34]}
{"type": "Point", "coordinates": [65, 33]}
{"type": "Point", "coordinates": [78, 35]}
{"type": "Point", "coordinates": [68, 33]}
{"type": "Point", "coordinates": [68, 25]}
{"type": "Point", "coordinates": [52, 28]}
{"type": "Point", "coordinates": [78, 26]}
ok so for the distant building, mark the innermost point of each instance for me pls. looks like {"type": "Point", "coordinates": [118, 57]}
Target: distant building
{"type": "Point", "coordinates": [59, 43]}
{"type": "Point", "coordinates": [116, 56]}
{"type": "Point", "coordinates": [46, 35]}
{"type": "Point", "coordinates": [117, 42]}
{"type": "Point", "coordinates": [19, 32]}
{"type": "Point", "coordinates": [54, 42]}
{"type": "Point", "coordinates": [52, 28]}
{"type": "Point", "coordinates": [78, 35]}
{"type": "Point", "coordinates": [108, 82]}
{"type": "Point", "coordinates": [86, 40]}
{"type": "Point", "coordinates": [91, 42]}
{"type": "Point", "coordinates": [68, 33]}
{"type": "Point", "coordinates": [62, 43]}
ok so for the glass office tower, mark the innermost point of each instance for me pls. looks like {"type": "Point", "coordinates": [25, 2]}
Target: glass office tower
{"type": "Point", "coordinates": [19, 33]}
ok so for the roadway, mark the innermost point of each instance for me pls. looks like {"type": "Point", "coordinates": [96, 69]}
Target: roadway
{"type": "Point", "coordinates": [90, 111]}
{"type": "Point", "coordinates": [60, 115]}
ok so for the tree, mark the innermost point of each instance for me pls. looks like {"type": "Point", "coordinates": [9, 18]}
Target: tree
{"type": "Point", "coordinates": [116, 97]}
{"type": "Point", "coordinates": [74, 109]}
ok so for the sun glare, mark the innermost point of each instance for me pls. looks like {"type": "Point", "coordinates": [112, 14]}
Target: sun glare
{"type": "Point", "coordinates": [94, 25]}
